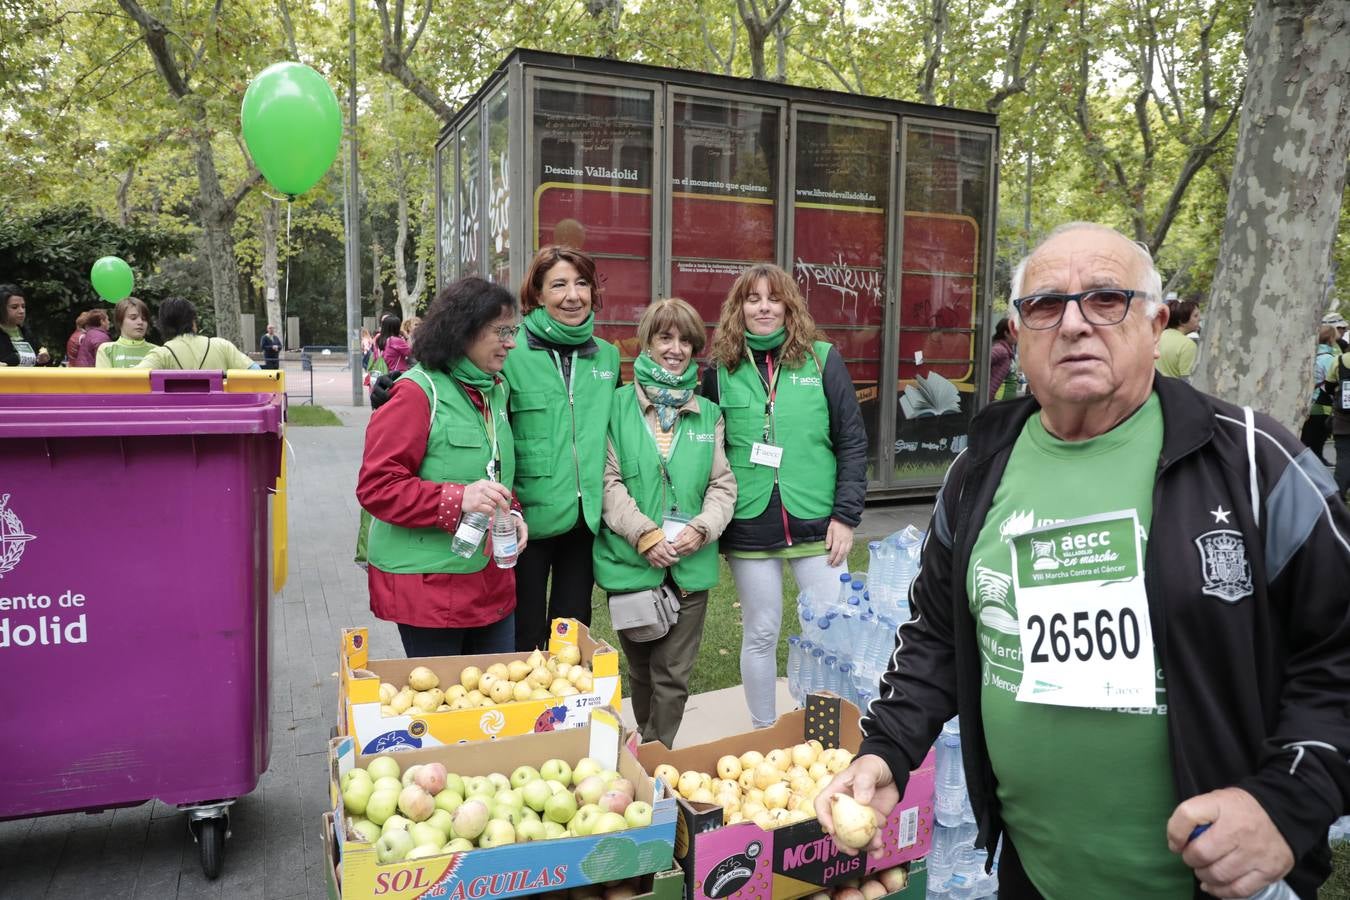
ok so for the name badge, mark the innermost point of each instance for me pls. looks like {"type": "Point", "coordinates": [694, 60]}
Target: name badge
{"type": "Point", "coordinates": [766, 455]}
{"type": "Point", "coordinates": [673, 524]}
{"type": "Point", "coordinates": [1082, 614]}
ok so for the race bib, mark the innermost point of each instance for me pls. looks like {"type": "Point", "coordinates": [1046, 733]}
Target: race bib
{"type": "Point", "coordinates": [766, 455]}
{"type": "Point", "coordinates": [1082, 614]}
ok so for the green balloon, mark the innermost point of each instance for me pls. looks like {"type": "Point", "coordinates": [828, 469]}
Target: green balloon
{"type": "Point", "coordinates": [292, 125]}
{"type": "Point", "coordinates": [112, 278]}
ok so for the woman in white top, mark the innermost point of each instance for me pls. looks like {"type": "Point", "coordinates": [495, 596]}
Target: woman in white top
{"type": "Point", "coordinates": [184, 348]}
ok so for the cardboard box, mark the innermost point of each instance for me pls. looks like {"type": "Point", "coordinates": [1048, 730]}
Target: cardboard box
{"type": "Point", "coordinates": [667, 885]}
{"type": "Point", "coordinates": [359, 695]}
{"type": "Point", "coordinates": [515, 869]}
{"type": "Point", "coordinates": [746, 861]}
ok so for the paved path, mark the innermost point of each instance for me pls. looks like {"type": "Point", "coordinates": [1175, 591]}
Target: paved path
{"type": "Point", "coordinates": [275, 851]}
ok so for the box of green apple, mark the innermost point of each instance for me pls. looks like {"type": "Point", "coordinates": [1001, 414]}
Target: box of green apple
{"type": "Point", "coordinates": [521, 815]}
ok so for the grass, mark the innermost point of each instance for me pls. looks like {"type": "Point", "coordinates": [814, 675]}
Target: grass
{"type": "Point", "coordinates": [719, 656]}
{"type": "Point", "coordinates": [311, 415]}
{"type": "Point", "coordinates": [1338, 885]}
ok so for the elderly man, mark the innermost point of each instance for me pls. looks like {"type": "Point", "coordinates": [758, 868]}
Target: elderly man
{"type": "Point", "coordinates": [1132, 594]}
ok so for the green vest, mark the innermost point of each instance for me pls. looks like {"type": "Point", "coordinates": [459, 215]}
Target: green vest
{"type": "Point", "coordinates": [618, 565]}
{"type": "Point", "coordinates": [458, 452]}
{"type": "Point", "coordinates": [560, 445]}
{"type": "Point", "coordinates": [801, 426]}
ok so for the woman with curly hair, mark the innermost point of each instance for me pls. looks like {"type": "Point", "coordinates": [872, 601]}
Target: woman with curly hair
{"type": "Point", "coordinates": [562, 382]}
{"type": "Point", "coordinates": [797, 445]}
{"type": "Point", "coordinates": [440, 447]}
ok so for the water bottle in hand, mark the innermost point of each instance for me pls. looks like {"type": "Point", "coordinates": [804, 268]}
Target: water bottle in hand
{"type": "Point", "coordinates": [504, 539]}
{"type": "Point", "coordinates": [473, 527]}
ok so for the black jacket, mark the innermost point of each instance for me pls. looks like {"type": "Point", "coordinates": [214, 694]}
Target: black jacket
{"type": "Point", "coordinates": [8, 355]}
{"type": "Point", "coordinates": [848, 437]}
{"type": "Point", "coordinates": [1258, 690]}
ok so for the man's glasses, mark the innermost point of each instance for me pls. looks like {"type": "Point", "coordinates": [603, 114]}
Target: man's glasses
{"type": "Point", "coordinates": [506, 333]}
{"type": "Point", "coordinates": [1104, 306]}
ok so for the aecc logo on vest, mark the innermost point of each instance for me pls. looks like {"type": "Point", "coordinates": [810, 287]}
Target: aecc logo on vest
{"type": "Point", "coordinates": [810, 380]}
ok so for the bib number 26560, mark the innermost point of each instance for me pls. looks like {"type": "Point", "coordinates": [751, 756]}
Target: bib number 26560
{"type": "Point", "coordinates": [1101, 636]}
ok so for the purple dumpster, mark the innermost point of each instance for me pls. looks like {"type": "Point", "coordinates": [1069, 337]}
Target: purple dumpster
{"type": "Point", "coordinates": [134, 585]}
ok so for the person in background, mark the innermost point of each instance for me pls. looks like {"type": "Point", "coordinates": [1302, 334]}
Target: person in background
{"type": "Point", "coordinates": [440, 447]}
{"type": "Point", "coordinates": [1337, 321]}
{"type": "Point", "coordinates": [1337, 386]}
{"type": "Point", "coordinates": [1317, 426]}
{"type": "Point", "coordinates": [95, 336]}
{"type": "Point", "coordinates": [562, 382]}
{"type": "Point", "coordinates": [367, 348]}
{"type": "Point", "coordinates": [1002, 363]}
{"type": "Point", "coordinates": [664, 507]}
{"type": "Point", "coordinates": [408, 327]}
{"type": "Point", "coordinates": [798, 447]}
{"type": "Point", "coordinates": [132, 318]}
{"type": "Point", "coordinates": [270, 344]}
{"type": "Point", "coordinates": [1176, 351]}
{"type": "Point", "coordinates": [76, 337]}
{"type": "Point", "coordinates": [18, 347]}
{"type": "Point", "coordinates": [1133, 594]}
{"type": "Point", "coordinates": [395, 351]}
{"type": "Point", "coordinates": [184, 348]}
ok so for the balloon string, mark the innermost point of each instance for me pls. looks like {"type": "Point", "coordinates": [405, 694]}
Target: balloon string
{"type": "Point", "coordinates": [286, 296]}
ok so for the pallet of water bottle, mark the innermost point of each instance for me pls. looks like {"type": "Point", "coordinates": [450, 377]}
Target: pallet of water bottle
{"type": "Point", "coordinates": [747, 826]}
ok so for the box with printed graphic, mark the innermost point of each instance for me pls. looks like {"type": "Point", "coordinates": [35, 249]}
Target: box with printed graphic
{"type": "Point", "coordinates": [744, 860]}
{"type": "Point", "coordinates": [359, 702]}
{"type": "Point", "coordinates": [510, 869]}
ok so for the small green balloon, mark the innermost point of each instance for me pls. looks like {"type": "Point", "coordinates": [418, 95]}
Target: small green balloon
{"type": "Point", "coordinates": [292, 125]}
{"type": "Point", "coordinates": [112, 278]}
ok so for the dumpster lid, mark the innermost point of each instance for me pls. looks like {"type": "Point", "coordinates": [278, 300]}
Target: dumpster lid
{"type": "Point", "coordinates": [174, 406]}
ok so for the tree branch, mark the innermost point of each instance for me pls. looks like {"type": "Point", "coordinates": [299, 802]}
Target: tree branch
{"type": "Point", "coordinates": [288, 29]}
{"type": "Point", "coordinates": [249, 183]}
{"type": "Point", "coordinates": [157, 41]}
{"type": "Point", "coordinates": [394, 58]}
{"type": "Point", "coordinates": [932, 45]}
{"type": "Point", "coordinates": [421, 24]}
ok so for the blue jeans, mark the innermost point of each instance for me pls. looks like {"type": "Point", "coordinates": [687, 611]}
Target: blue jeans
{"type": "Point", "coordinates": [499, 637]}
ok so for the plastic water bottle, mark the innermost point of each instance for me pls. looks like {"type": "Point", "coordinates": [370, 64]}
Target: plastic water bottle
{"type": "Point", "coordinates": [950, 785]}
{"type": "Point", "coordinates": [1340, 830]}
{"type": "Point", "coordinates": [845, 583]}
{"type": "Point", "coordinates": [806, 613]}
{"type": "Point", "coordinates": [794, 669]}
{"type": "Point", "coordinates": [504, 539]}
{"type": "Point", "coordinates": [473, 527]}
{"type": "Point", "coordinates": [942, 856]}
{"type": "Point", "coordinates": [1277, 891]}
{"type": "Point", "coordinates": [817, 668]}
{"type": "Point", "coordinates": [967, 880]}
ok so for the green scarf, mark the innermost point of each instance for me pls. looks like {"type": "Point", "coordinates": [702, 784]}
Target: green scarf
{"type": "Point", "coordinates": [545, 327]}
{"type": "Point", "coordinates": [667, 391]}
{"type": "Point", "coordinates": [466, 372]}
{"type": "Point", "coordinates": [770, 341]}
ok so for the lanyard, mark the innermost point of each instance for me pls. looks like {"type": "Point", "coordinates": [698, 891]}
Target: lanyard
{"type": "Point", "coordinates": [771, 393]}
{"type": "Point", "coordinates": [661, 461]}
{"type": "Point", "coordinates": [489, 430]}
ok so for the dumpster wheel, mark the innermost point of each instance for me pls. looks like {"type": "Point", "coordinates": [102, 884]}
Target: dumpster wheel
{"type": "Point", "coordinates": [210, 837]}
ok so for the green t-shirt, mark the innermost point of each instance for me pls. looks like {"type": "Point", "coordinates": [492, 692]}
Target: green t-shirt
{"type": "Point", "coordinates": [1176, 354]}
{"type": "Point", "coordinates": [1086, 793]}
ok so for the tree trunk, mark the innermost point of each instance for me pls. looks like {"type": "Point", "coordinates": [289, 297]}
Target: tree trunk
{"type": "Point", "coordinates": [270, 268]}
{"type": "Point", "coordinates": [1283, 206]}
{"type": "Point", "coordinates": [377, 283]}
{"type": "Point", "coordinates": [759, 26]}
{"type": "Point", "coordinates": [218, 215]}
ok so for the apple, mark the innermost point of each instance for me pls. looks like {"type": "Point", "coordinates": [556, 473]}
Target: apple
{"type": "Point", "coordinates": [540, 694]}
{"type": "Point", "coordinates": [586, 683]}
{"type": "Point", "coordinates": [426, 833]}
{"type": "Point", "coordinates": [357, 795]}
{"type": "Point", "coordinates": [536, 793]}
{"type": "Point", "coordinates": [804, 754]}
{"type": "Point", "coordinates": [701, 795]}
{"type": "Point", "coordinates": [558, 686]}
{"type": "Point", "coordinates": [367, 829]}
{"type": "Point", "coordinates": [468, 677]}
{"type": "Point", "coordinates": [408, 775]}
{"type": "Point", "coordinates": [422, 851]}
{"type": "Point", "coordinates": [893, 879]}
{"type": "Point", "coordinates": [388, 783]}
{"type": "Point", "coordinates": [585, 768]}
{"type": "Point", "coordinates": [503, 691]}
{"type": "Point", "coordinates": [499, 781]}
{"type": "Point", "coordinates": [569, 653]}
{"type": "Point", "coordinates": [448, 800]}
{"type": "Point", "coordinates": [747, 779]}
{"type": "Point", "coordinates": [560, 807]}
{"type": "Point", "coordinates": [442, 819]}
{"type": "Point", "coordinates": [556, 770]}
{"type": "Point", "coordinates": [583, 823]}
{"type": "Point", "coordinates": [470, 819]}
{"type": "Point", "coordinates": [394, 823]}
{"type": "Point", "coordinates": [589, 789]}
{"type": "Point", "coordinates": [575, 674]}
{"type": "Point", "coordinates": [873, 889]}
{"type": "Point", "coordinates": [507, 813]}
{"type": "Point", "coordinates": [669, 774]}
{"type": "Point", "coordinates": [416, 803]}
{"type": "Point", "coordinates": [523, 775]}
{"type": "Point", "coordinates": [383, 767]}
{"type": "Point", "coordinates": [556, 787]}
{"type": "Point", "coordinates": [609, 822]}
{"type": "Point", "coordinates": [615, 801]}
{"type": "Point", "coordinates": [766, 773]}
{"type": "Point", "coordinates": [553, 830]}
{"type": "Point", "coordinates": [729, 767]}
{"type": "Point", "coordinates": [431, 778]}
{"type": "Point", "coordinates": [511, 797]}
{"type": "Point", "coordinates": [394, 846]}
{"type": "Point", "coordinates": [478, 786]}
{"type": "Point", "coordinates": [638, 814]}
{"type": "Point", "coordinates": [473, 697]}
{"type": "Point", "coordinates": [530, 830]}
{"type": "Point", "coordinates": [381, 805]}
{"type": "Point", "coordinates": [497, 833]}
{"type": "Point", "coordinates": [620, 891]}
{"type": "Point", "coordinates": [355, 775]}
{"type": "Point", "coordinates": [458, 845]}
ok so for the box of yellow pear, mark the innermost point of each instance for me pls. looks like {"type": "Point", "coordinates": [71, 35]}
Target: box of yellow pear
{"type": "Point", "coordinates": [407, 704]}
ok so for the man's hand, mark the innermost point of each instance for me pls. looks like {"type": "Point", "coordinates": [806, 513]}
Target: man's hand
{"type": "Point", "coordinates": [662, 555]}
{"type": "Point", "coordinates": [1241, 852]}
{"type": "Point", "coordinates": [838, 541]}
{"type": "Point", "coordinates": [869, 780]}
{"type": "Point", "coordinates": [687, 541]}
{"type": "Point", "coordinates": [485, 496]}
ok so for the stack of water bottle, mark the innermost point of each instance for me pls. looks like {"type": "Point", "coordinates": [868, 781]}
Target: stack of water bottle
{"type": "Point", "coordinates": [847, 639]}
{"type": "Point", "coordinates": [955, 865]}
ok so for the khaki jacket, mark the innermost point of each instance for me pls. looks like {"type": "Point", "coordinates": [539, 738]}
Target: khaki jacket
{"type": "Point", "coordinates": [624, 518]}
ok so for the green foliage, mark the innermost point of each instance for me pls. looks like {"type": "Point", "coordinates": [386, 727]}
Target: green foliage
{"type": "Point", "coordinates": [49, 254]}
{"type": "Point", "coordinates": [311, 415]}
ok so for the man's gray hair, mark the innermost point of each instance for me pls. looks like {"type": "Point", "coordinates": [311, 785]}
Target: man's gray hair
{"type": "Point", "coordinates": [1152, 279]}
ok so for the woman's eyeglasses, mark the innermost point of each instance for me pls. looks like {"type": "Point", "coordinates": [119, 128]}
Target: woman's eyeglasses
{"type": "Point", "coordinates": [1102, 306]}
{"type": "Point", "coordinates": [506, 333]}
